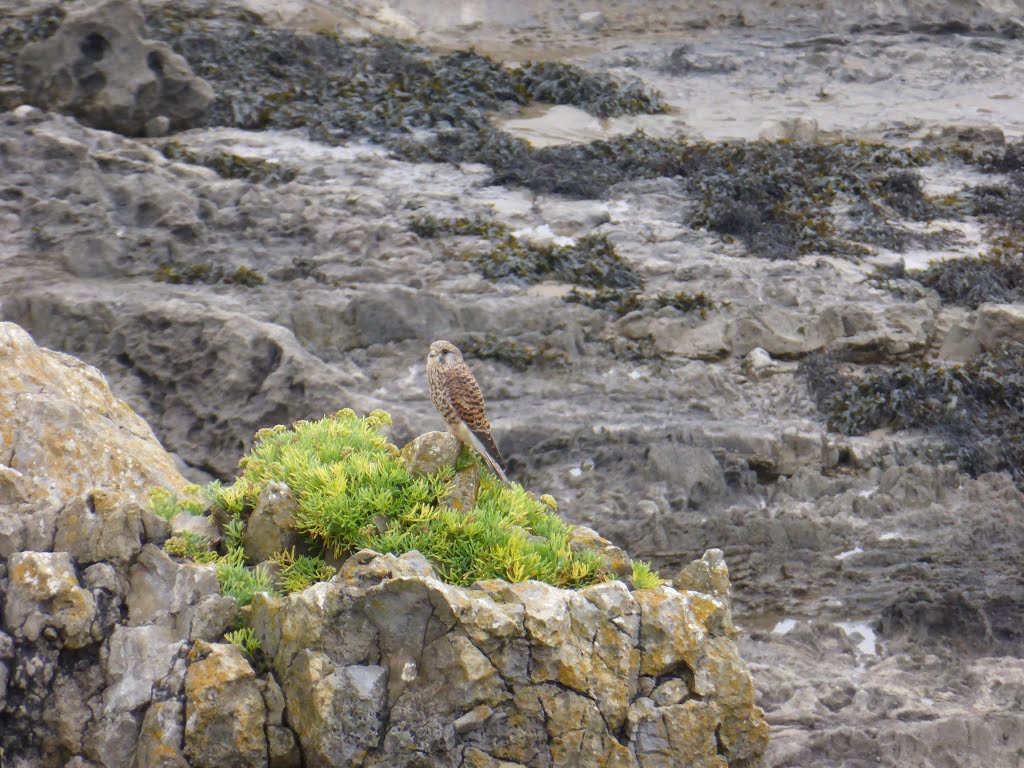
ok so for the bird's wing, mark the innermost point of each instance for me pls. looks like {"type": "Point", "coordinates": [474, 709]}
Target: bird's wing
{"type": "Point", "coordinates": [468, 402]}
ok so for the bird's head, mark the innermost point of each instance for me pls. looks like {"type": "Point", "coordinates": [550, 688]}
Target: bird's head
{"type": "Point", "coordinates": [444, 353]}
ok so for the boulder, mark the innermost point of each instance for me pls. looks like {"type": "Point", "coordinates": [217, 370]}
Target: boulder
{"type": "Point", "coordinates": [429, 452]}
{"type": "Point", "coordinates": [97, 527]}
{"type": "Point", "coordinates": [63, 434]}
{"type": "Point", "coordinates": [99, 67]}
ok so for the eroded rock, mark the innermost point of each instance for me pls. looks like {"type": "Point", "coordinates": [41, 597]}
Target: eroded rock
{"type": "Point", "coordinates": [99, 67]}
{"type": "Point", "coordinates": [400, 663]}
{"type": "Point", "coordinates": [56, 411]}
{"type": "Point", "coordinates": [44, 599]}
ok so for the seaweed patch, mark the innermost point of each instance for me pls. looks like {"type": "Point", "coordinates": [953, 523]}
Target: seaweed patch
{"type": "Point", "coordinates": [973, 409]}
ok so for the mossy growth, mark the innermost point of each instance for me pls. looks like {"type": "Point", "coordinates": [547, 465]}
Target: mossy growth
{"type": "Point", "coordinates": [354, 492]}
{"type": "Point", "coordinates": [231, 166]}
{"type": "Point", "coordinates": [190, 274]}
{"type": "Point", "coordinates": [300, 571]}
{"type": "Point", "coordinates": [245, 638]}
{"type": "Point", "coordinates": [973, 409]}
{"type": "Point", "coordinates": [644, 577]}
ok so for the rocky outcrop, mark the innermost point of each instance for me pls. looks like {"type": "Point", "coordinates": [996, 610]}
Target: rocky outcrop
{"type": "Point", "coordinates": [99, 67]}
{"type": "Point", "coordinates": [387, 665]}
{"type": "Point", "coordinates": [77, 463]}
{"type": "Point", "coordinates": [113, 654]}
{"type": "Point", "coordinates": [871, 581]}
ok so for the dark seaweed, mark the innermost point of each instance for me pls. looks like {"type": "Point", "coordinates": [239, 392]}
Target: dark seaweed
{"type": "Point", "coordinates": [975, 409]}
{"type": "Point", "coordinates": [620, 303]}
{"type": "Point", "coordinates": [997, 276]}
{"type": "Point", "coordinates": [515, 354]}
{"type": "Point", "coordinates": [592, 261]}
{"type": "Point", "coordinates": [17, 33]}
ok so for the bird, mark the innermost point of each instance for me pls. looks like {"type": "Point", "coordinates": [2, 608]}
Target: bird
{"type": "Point", "coordinates": [458, 399]}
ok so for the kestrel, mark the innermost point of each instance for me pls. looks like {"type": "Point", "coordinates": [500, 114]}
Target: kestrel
{"type": "Point", "coordinates": [457, 397]}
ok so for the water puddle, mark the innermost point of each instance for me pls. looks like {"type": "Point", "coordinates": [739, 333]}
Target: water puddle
{"type": "Point", "coordinates": [862, 634]}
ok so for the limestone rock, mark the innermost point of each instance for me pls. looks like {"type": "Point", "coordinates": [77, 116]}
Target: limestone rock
{"type": "Point", "coordinates": [465, 487]}
{"type": "Point", "coordinates": [224, 712]}
{"type": "Point", "coordinates": [803, 130]}
{"type": "Point", "coordinates": [44, 598]}
{"type": "Point", "coordinates": [184, 596]}
{"type": "Point", "coordinates": [584, 539]}
{"type": "Point", "coordinates": [99, 67]}
{"type": "Point", "coordinates": [98, 527]}
{"type": "Point", "coordinates": [161, 736]}
{"type": "Point", "coordinates": [998, 324]}
{"type": "Point", "coordinates": [385, 662]}
{"type": "Point", "coordinates": [271, 527]}
{"type": "Point", "coordinates": [28, 515]}
{"type": "Point", "coordinates": [337, 712]}
{"type": "Point", "coordinates": [427, 453]}
{"type": "Point", "coordinates": [709, 575]}
{"type": "Point", "coordinates": [67, 434]}
{"type": "Point", "coordinates": [201, 525]}
{"type": "Point", "coordinates": [141, 661]}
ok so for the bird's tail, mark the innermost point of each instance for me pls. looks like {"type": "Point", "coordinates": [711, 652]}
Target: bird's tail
{"type": "Point", "coordinates": [484, 445]}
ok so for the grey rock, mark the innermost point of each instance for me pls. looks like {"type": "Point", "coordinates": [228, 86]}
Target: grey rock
{"type": "Point", "coordinates": [105, 576]}
{"type": "Point", "coordinates": [271, 526]}
{"type": "Point", "coordinates": [592, 20]}
{"type": "Point", "coordinates": [802, 130]}
{"type": "Point", "coordinates": [43, 595]}
{"type": "Point", "coordinates": [56, 406]}
{"type": "Point", "coordinates": [28, 518]}
{"type": "Point", "coordinates": [98, 67]}
{"type": "Point", "coordinates": [224, 714]}
{"type": "Point", "coordinates": [213, 616]}
{"type": "Point", "coordinates": [111, 739]}
{"type": "Point", "coordinates": [161, 736]}
{"type": "Point", "coordinates": [139, 661]}
{"type": "Point", "coordinates": [282, 748]}
{"type": "Point", "coordinates": [97, 527]}
{"type": "Point", "coordinates": [201, 525]}
{"type": "Point", "coordinates": [999, 324]}
{"type": "Point", "coordinates": [428, 453]}
{"type": "Point", "coordinates": [337, 713]}
{"type": "Point", "coordinates": [168, 593]}
{"type": "Point", "coordinates": [509, 668]}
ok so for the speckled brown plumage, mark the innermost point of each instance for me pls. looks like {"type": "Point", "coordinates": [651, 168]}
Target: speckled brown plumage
{"type": "Point", "coordinates": [458, 399]}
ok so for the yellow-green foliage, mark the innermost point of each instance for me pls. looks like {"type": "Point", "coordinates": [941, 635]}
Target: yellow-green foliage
{"type": "Point", "coordinates": [298, 572]}
{"type": "Point", "coordinates": [245, 638]}
{"type": "Point", "coordinates": [193, 546]}
{"type": "Point", "coordinates": [354, 492]}
{"type": "Point", "coordinates": [240, 582]}
{"type": "Point", "coordinates": [168, 506]}
{"type": "Point", "coordinates": [644, 577]}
